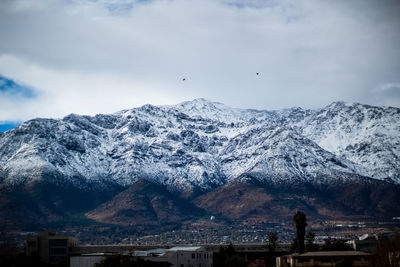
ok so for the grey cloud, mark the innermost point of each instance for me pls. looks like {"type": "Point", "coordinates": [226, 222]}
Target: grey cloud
{"type": "Point", "coordinates": [387, 94]}
{"type": "Point", "coordinates": [309, 53]}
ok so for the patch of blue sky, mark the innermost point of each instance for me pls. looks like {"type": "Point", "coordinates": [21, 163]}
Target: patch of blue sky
{"type": "Point", "coordinates": [251, 3]}
{"type": "Point", "coordinates": [5, 126]}
{"type": "Point", "coordinates": [287, 11]}
{"type": "Point", "coordinates": [123, 7]}
{"type": "Point", "coordinates": [11, 88]}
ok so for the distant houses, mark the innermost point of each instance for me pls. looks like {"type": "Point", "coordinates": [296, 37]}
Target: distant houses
{"type": "Point", "coordinates": [325, 258]}
{"type": "Point", "coordinates": [58, 250]}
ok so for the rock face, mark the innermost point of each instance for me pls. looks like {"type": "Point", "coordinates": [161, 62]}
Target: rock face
{"type": "Point", "coordinates": [193, 150]}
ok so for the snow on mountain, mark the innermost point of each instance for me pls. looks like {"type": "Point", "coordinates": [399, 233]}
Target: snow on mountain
{"type": "Point", "coordinates": [201, 144]}
{"type": "Point", "coordinates": [277, 154]}
{"type": "Point", "coordinates": [366, 135]}
{"type": "Point", "coordinates": [201, 108]}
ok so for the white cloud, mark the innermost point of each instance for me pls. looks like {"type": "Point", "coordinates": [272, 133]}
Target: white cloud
{"type": "Point", "coordinates": [387, 94]}
{"type": "Point", "coordinates": [92, 56]}
{"type": "Point", "coordinates": [389, 86]}
{"type": "Point", "coordinates": [77, 92]}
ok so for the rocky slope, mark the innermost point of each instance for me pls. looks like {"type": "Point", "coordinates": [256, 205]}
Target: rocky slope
{"type": "Point", "coordinates": [146, 203]}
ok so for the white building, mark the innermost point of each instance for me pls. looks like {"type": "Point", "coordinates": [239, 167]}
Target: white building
{"type": "Point", "coordinates": [176, 256]}
{"type": "Point", "coordinates": [180, 256]}
{"type": "Point", "coordinates": [86, 260]}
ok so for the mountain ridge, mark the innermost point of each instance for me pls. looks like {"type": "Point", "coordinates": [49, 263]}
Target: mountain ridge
{"type": "Point", "coordinates": [239, 165]}
{"type": "Point", "coordinates": [197, 143]}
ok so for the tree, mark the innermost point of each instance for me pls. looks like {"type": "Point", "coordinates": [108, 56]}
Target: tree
{"type": "Point", "coordinates": [272, 244]}
{"type": "Point", "coordinates": [228, 257]}
{"type": "Point", "coordinates": [387, 252]}
{"type": "Point", "coordinates": [336, 245]}
{"type": "Point", "coordinates": [300, 222]}
{"type": "Point", "coordinates": [310, 246]}
{"type": "Point", "coordinates": [294, 246]}
{"type": "Point", "coordinates": [272, 241]}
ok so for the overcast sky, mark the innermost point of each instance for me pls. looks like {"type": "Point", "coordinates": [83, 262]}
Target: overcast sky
{"type": "Point", "coordinates": [101, 56]}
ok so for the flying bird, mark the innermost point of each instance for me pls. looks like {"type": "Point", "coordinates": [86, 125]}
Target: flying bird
{"type": "Point", "coordinates": [184, 79]}
{"type": "Point", "coordinates": [257, 73]}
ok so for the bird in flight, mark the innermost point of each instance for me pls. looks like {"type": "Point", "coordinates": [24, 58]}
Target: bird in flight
{"type": "Point", "coordinates": [184, 79]}
{"type": "Point", "coordinates": [257, 73]}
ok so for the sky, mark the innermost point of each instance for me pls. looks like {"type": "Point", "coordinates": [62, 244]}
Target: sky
{"type": "Point", "coordinates": [99, 56]}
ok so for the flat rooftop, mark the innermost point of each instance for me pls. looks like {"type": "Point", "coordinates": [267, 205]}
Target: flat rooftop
{"type": "Point", "coordinates": [330, 254]}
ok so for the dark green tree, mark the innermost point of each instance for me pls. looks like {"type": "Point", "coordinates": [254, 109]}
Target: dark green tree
{"type": "Point", "coordinates": [300, 222]}
{"type": "Point", "coordinates": [310, 246]}
{"type": "Point", "coordinates": [272, 244]}
{"type": "Point", "coordinates": [336, 245]}
{"type": "Point", "coordinates": [272, 241]}
{"type": "Point", "coordinates": [228, 257]}
{"type": "Point", "coordinates": [387, 252]}
{"type": "Point", "coordinates": [294, 245]}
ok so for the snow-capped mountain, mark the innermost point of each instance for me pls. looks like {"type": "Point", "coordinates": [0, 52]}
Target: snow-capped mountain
{"type": "Point", "coordinates": [366, 135]}
{"type": "Point", "coordinates": [201, 144]}
{"type": "Point", "coordinates": [157, 165]}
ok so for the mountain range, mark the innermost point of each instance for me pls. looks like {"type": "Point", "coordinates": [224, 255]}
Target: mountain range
{"type": "Point", "coordinates": [160, 165]}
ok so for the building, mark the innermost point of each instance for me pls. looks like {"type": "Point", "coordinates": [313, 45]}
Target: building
{"type": "Point", "coordinates": [50, 247]}
{"type": "Point", "coordinates": [325, 258]}
{"type": "Point", "coordinates": [173, 257]}
{"type": "Point", "coordinates": [180, 256]}
{"type": "Point", "coordinates": [254, 254]}
{"type": "Point", "coordinates": [366, 242]}
{"type": "Point", "coordinates": [86, 260]}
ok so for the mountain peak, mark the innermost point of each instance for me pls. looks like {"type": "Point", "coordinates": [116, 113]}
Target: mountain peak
{"type": "Point", "coordinates": [338, 105]}
{"type": "Point", "coordinates": [201, 104]}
